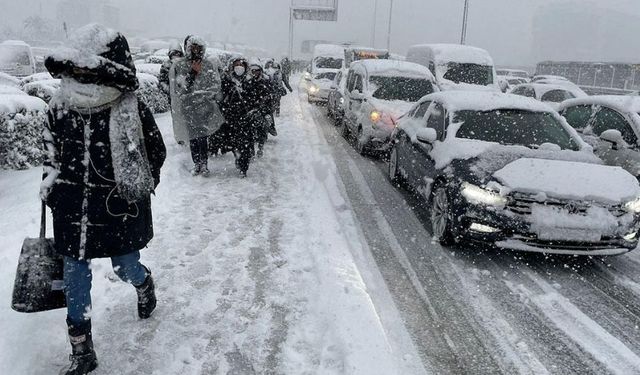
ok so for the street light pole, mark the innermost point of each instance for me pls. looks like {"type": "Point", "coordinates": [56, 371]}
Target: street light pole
{"type": "Point", "coordinates": [291, 31]}
{"type": "Point", "coordinates": [389, 31]}
{"type": "Point", "coordinates": [465, 16]}
{"type": "Point", "coordinates": [375, 20]}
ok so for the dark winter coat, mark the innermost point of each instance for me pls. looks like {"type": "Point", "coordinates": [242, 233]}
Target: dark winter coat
{"type": "Point", "coordinates": [82, 150]}
{"type": "Point", "coordinates": [235, 102]}
{"type": "Point", "coordinates": [259, 95]}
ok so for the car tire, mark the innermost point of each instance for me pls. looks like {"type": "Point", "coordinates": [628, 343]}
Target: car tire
{"type": "Point", "coordinates": [344, 129]}
{"type": "Point", "coordinates": [394, 173]}
{"type": "Point", "coordinates": [360, 146]}
{"type": "Point", "coordinates": [440, 212]}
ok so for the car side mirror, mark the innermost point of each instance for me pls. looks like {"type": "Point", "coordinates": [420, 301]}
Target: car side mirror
{"type": "Point", "coordinates": [357, 95]}
{"type": "Point", "coordinates": [614, 137]}
{"type": "Point", "coordinates": [427, 135]}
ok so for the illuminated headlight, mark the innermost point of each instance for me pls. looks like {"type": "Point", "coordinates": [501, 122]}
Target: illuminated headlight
{"type": "Point", "coordinates": [307, 75]}
{"type": "Point", "coordinates": [477, 195]}
{"type": "Point", "coordinates": [631, 236]}
{"type": "Point", "coordinates": [483, 228]}
{"type": "Point", "coordinates": [341, 100]}
{"type": "Point", "coordinates": [633, 206]}
{"type": "Point", "coordinates": [314, 89]}
{"type": "Point", "coordinates": [375, 116]}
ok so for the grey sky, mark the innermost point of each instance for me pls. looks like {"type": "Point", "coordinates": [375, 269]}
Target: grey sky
{"type": "Point", "coordinates": [504, 27]}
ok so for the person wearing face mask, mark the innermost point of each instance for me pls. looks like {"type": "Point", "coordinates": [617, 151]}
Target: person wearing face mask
{"type": "Point", "coordinates": [272, 69]}
{"type": "Point", "coordinates": [175, 53]}
{"type": "Point", "coordinates": [236, 107]}
{"type": "Point", "coordinates": [195, 91]}
{"type": "Point", "coordinates": [259, 98]}
{"type": "Point", "coordinates": [103, 158]}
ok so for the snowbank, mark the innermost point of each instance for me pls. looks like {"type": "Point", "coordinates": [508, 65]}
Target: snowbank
{"type": "Point", "coordinates": [149, 92]}
{"type": "Point", "coordinates": [22, 120]}
{"type": "Point", "coordinates": [44, 89]}
{"type": "Point", "coordinates": [153, 69]}
{"type": "Point", "coordinates": [9, 80]}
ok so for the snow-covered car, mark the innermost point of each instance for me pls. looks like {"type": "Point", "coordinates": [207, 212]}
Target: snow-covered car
{"type": "Point", "coordinates": [16, 58]}
{"type": "Point", "coordinates": [611, 125]}
{"type": "Point", "coordinates": [22, 120]}
{"type": "Point", "coordinates": [553, 95]}
{"type": "Point", "coordinates": [456, 67]}
{"type": "Point", "coordinates": [513, 73]}
{"type": "Point", "coordinates": [337, 95]}
{"type": "Point", "coordinates": [547, 77]}
{"type": "Point", "coordinates": [43, 89]}
{"type": "Point", "coordinates": [319, 87]}
{"type": "Point", "coordinates": [44, 76]}
{"type": "Point", "coordinates": [151, 94]}
{"type": "Point", "coordinates": [379, 92]}
{"type": "Point", "coordinates": [507, 170]}
{"type": "Point", "coordinates": [153, 69]}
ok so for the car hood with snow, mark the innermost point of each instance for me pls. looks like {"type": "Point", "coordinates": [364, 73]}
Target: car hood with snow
{"type": "Point", "coordinates": [569, 180]}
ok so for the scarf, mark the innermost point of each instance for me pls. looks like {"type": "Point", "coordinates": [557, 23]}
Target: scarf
{"type": "Point", "coordinates": [131, 168]}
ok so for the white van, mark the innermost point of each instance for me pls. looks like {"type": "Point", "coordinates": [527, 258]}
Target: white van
{"type": "Point", "coordinates": [456, 67]}
{"type": "Point", "coordinates": [327, 58]}
{"type": "Point", "coordinates": [16, 58]}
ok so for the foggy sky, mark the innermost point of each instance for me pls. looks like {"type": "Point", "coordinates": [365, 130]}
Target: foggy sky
{"type": "Point", "coordinates": [504, 27]}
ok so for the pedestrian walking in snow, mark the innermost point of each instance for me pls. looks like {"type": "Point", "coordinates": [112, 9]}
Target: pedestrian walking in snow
{"type": "Point", "coordinates": [278, 89]}
{"type": "Point", "coordinates": [104, 154]}
{"type": "Point", "coordinates": [235, 104]}
{"type": "Point", "coordinates": [175, 53]}
{"type": "Point", "coordinates": [260, 101]}
{"type": "Point", "coordinates": [285, 65]}
{"type": "Point", "coordinates": [195, 91]}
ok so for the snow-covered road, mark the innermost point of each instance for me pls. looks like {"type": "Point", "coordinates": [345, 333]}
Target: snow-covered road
{"type": "Point", "coordinates": [264, 275]}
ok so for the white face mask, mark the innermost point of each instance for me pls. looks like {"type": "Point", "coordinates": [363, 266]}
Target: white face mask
{"type": "Point", "coordinates": [239, 70]}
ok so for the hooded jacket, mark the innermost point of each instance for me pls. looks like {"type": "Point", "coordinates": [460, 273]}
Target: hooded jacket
{"type": "Point", "coordinates": [194, 96]}
{"type": "Point", "coordinates": [174, 50]}
{"type": "Point", "coordinates": [91, 219]}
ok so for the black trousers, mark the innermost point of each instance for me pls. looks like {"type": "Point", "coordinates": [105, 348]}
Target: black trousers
{"type": "Point", "coordinates": [199, 151]}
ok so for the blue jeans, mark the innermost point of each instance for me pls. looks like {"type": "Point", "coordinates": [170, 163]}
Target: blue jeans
{"type": "Point", "coordinates": [77, 281]}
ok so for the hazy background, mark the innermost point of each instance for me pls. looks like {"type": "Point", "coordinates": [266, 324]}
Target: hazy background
{"type": "Point", "coordinates": [516, 32]}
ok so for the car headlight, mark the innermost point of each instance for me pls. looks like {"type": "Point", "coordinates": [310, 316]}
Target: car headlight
{"type": "Point", "coordinates": [375, 116]}
{"type": "Point", "coordinates": [633, 206]}
{"type": "Point", "coordinates": [341, 100]}
{"type": "Point", "coordinates": [477, 195]}
{"type": "Point", "coordinates": [314, 89]}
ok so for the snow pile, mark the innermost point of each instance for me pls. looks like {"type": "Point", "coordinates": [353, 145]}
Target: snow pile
{"type": "Point", "coordinates": [10, 90]}
{"type": "Point", "coordinates": [569, 180]}
{"type": "Point", "coordinates": [153, 69]}
{"type": "Point", "coordinates": [35, 78]}
{"type": "Point", "coordinates": [44, 89]}
{"type": "Point", "coordinates": [149, 92]}
{"type": "Point", "coordinates": [9, 80]}
{"type": "Point", "coordinates": [22, 120]}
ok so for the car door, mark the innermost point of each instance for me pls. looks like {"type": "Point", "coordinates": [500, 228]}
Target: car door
{"type": "Point", "coordinates": [355, 104]}
{"type": "Point", "coordinates": [424, 169]}
{"type": "Point", "coordinates": [626, 157]}
{"type": "Point", "coordinates": [404, 146]}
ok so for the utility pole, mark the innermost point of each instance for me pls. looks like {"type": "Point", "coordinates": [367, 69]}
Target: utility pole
{"type": "Point", "coordinates": [291, 31]}
{"type": "Point", "coordinates": [465, 16]}
{"type": "Point", "coordinates": [375, 20]}
{"type": "Point", "coordinates": [389, 31]}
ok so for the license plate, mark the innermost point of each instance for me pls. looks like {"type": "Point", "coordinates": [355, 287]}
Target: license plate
{"type": "Point", "coordinates": [567, 234]}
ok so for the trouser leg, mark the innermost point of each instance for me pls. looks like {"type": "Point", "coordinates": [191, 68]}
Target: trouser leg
{"type": "Point", "coordinates": [129, 269]}
{"type": "Point", "coordinates": [199, 151]}
{"type": "Point", "coordinates": [77, 288]}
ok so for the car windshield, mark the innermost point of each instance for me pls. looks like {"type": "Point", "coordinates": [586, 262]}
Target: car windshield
{"type": "Point", "coordinates": [400, 88]}
{"type": "Point", "coordinates": [328, 75]}
{"type": "Point", "coordinates": [328, 63]}
{"type": "Point", "coordinates": [14, 55]}
{"type": "Point", "coordinates": [474, 74]}
{"type": "Point", "coordinates": [514, 127]}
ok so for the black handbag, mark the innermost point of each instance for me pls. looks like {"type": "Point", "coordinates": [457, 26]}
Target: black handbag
{"type": "Point", "coordinates": [39, 277]}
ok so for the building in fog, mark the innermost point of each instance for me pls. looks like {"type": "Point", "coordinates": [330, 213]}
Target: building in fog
{"type": "Point", "coordinates": [77, 13]}
{"type": "Point", "coordinates": [571, 32]}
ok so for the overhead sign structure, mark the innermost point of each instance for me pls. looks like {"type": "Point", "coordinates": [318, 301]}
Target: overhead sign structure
{"type": "Point", "coordinates": [311, 10]}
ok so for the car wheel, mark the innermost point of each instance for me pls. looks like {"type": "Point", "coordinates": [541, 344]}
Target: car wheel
{"type": "Point", "coordinates": [344, 129]}
{"type": "Point", "coordinates": [360, 143]}
{"type": "Point", "coordinates": [394, 173]}
{"type": "Point", "coordinates": [441, 216]}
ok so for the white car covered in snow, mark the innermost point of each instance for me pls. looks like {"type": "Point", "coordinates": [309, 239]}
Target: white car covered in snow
{"type": "Point", "coordinates": [553, 95]}
{"type": "Point", "coordinates": [16, 58]}
{"type": "Point", "coordinates": [378, 93]}
{"type": "Point", "coordinates": [507, 170]}
{"type": "Point", "coordinates": [319, 87]}
{"type": "Point", "coordinates": [611, 124]}
{"type": "Point", "coordinates": [457, 67]}
{"type": "Point", "coordinates": [513, 73]}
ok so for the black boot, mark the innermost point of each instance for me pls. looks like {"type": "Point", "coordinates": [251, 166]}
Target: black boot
{"type": "Point", "coordinates": [146, 296]}
{"type": "Point", "coordinates": [83, 358]}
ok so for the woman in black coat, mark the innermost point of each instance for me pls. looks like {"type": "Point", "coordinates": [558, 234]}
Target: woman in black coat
{"type": "Point", "coordinates": [258, 92]}
{"type": "Point", "coordinates": [104, 154]}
